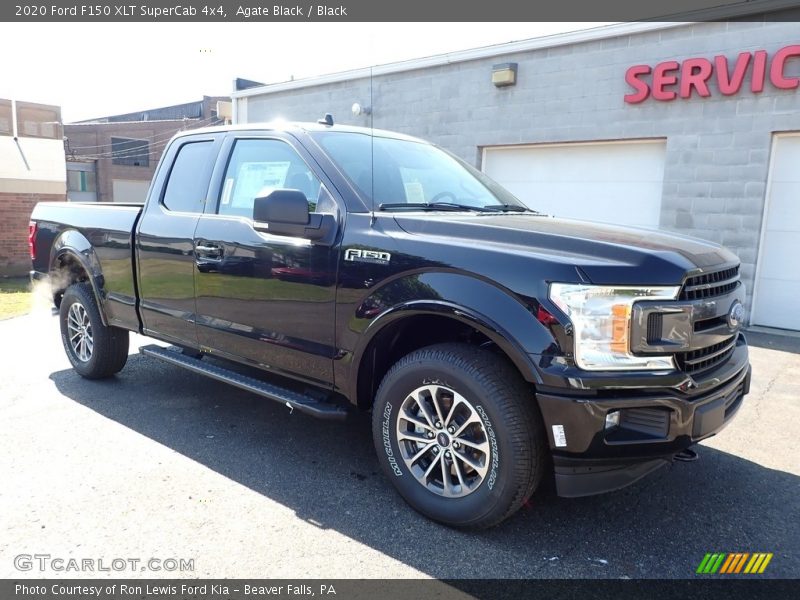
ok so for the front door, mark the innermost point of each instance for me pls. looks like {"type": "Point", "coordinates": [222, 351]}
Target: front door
{"type": "Point", "coordinates": [267, 299]}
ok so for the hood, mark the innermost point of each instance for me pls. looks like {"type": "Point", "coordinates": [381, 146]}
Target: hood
{"type": "Point", "coordinates": [605, 253]}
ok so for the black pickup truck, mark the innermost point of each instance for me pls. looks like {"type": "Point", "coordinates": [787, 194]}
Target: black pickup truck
{"type": "Point", "coordinates": [333, 268]}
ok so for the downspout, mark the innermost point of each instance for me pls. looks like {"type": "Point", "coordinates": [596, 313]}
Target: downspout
{"type": "Point", "coordinates": [14, 119]}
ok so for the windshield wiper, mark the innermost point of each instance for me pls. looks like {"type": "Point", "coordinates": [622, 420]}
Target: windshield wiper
{"type": "Point", "coordinates": [449, 206]}
{"type": "Point", "coordinates": [509, 208]}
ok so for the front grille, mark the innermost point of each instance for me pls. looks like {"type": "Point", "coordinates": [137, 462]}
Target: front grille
{"type": "Point", "coordinates": [706, 358]}
{"type": "Point", "coordinates": [710, 285]}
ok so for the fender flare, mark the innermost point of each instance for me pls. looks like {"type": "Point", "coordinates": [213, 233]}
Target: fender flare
{"type": "Point", "coordinates": [488, 327]}
{"type": "Point", "coordinates": [74, 244]}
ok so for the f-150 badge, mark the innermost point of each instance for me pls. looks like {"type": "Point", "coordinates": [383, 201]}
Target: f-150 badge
{"type": "Point", "coordinates": [368, 256]}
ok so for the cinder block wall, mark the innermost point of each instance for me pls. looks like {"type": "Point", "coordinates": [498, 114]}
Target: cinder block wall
{"type": "Point", "coordinates": [717, 148]}
{"type": "Point", "coordinates": [15, 213]}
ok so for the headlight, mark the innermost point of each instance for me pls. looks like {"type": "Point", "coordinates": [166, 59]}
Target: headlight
{"type": "Point", "coordinates": [601, 318]}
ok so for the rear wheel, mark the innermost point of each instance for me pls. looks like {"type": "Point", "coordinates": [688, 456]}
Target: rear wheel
{"type": "Point", "coordinates": [95, 350]}
{"type": "Point", "coordinates": [459, 435]}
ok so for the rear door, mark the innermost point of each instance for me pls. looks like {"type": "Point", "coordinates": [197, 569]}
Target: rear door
{"type": "Point", "coordinates": [165, 239]}
{"type": "Point", "coordinates": [266, 299]}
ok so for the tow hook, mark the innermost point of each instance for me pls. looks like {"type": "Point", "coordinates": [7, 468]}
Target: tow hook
{"type": "Point", "coordinates": [687, 455]}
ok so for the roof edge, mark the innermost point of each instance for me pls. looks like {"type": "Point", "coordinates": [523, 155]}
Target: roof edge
{"type": "Point", "coordinates": [549, 41]}
{"type": "Point", "coordinates": [741, 9]}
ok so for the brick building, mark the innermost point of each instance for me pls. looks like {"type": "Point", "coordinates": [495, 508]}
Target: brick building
{"type": "Point", "coordinates": [689, 127]}
{"type": "Point", "coordinates": [32, 169]}
{"type": "Point", "coordinates": [114, 158]}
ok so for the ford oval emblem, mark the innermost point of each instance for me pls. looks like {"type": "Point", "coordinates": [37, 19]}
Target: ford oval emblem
{"type": "Point", "coordinates": [735, 315]}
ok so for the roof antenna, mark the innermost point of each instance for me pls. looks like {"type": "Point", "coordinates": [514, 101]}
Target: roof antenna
{"type": "Point", "coordinates": [372, 147]}
{"type": "Point", "coordinates": [327, 120]}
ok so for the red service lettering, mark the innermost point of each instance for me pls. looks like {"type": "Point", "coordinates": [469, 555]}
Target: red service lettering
{"type": "Point", "coordinates": [776, 73]}
{"type": "Point", "coordinates": [641, 87]}
{"type": "Point", "coordinates": [731, 84]}
{"type": "Point", "coordinates": [759, 70]}
{"type": "Point", "coordinates": [662, 78]}
{"type": "Point", "coordinates": [694, 74]}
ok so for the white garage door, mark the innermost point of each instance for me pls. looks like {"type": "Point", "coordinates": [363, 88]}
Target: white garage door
{"type": "Point", "coordinates": [614, 182]}
{"type": "Point", "coordinates": [778, 275]}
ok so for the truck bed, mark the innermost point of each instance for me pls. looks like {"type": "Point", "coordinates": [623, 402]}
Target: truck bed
{"type": "Point", "coordinates": [100, 236]}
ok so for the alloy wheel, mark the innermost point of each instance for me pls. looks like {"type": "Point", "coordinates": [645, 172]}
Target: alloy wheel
{"type": "Point", "coordinates": [443, 441]}
{"type": "Point", "coordinates": [79, 329]}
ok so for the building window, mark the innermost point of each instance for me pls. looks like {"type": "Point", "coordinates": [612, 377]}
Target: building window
{"type": "Point", "coordinates": [81, 181]}
{"type": "Point", "coordinates": [39, 121]}
{"type": "Point", "coordinates": [6, 125]}
{"type": "Point", "coordinates": [134, 153]}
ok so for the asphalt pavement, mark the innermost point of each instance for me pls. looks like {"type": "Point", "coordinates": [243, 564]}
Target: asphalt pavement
{"type": "Point", "coordinates": [161, 463]}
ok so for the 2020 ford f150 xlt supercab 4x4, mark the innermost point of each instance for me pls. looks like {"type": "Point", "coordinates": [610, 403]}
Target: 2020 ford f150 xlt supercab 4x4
{"type": "Point", "coordinates": [334, 268]}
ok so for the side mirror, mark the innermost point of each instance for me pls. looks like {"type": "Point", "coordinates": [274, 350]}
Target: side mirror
{"type": "Point", "coordinates": [285, 212]}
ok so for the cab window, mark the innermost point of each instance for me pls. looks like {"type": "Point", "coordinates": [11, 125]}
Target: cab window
{"type": "Point", "coordinates": [257, 167]}
{"type": "Point", "coordinates": [185, 190]}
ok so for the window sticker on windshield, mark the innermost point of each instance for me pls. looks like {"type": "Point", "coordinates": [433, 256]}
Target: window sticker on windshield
{"type": "Point", "coordinates": [257, 179]}
{"type": "Point", "coordinates": [414, 192]}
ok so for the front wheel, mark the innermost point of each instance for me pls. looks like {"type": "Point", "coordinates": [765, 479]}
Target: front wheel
{"type": "Point", "coordinates": [458, 434]}
{"type": "Point", "coordinates": [95, 350]}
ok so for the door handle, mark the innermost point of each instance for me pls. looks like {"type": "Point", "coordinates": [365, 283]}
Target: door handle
{"type": "Point", "coordinates": [209, 251]}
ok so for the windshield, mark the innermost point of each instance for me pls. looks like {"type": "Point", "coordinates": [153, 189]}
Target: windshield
{"type": "Point", "coordinates": [412, 173]}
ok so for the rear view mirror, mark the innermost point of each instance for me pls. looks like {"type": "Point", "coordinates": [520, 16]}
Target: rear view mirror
{"type": "Point", "coordinates": [285, 212]}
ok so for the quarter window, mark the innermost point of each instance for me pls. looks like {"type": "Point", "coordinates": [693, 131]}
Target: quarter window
{"type": "Point", "coordinates": [187, 187]}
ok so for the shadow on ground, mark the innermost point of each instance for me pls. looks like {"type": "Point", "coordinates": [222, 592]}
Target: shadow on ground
{"type": "Point", "coordinates": [784, 343]}
{"type": "Point", "coordinates": [328, 475]}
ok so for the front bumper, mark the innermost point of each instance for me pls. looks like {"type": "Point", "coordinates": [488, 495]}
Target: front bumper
{"type": "Point", "coordinates": [590, 457]}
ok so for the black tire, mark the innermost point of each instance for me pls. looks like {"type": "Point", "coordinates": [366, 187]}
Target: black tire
{"type": "Point", "coordinates": [505, 417]}
{"type": "Point", "coordinates": [109, 351]}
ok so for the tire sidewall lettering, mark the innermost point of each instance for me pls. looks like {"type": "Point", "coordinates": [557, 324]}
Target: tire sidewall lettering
{"type": "Point", "coordinates": [490, 433]}
{"type": "Point", "coordinates": [387, 440]}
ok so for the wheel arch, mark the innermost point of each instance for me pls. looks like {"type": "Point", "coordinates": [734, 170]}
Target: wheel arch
{"type": "Point", "coordinates": [443, 301]}
{"type": "Point", "coordinates": [417, 324]}
{"type": "Point", "coordinates": [74, 260]}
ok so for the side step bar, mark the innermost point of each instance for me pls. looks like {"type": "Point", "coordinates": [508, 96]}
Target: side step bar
{"type": "Point", "coordinates": [293, 400]}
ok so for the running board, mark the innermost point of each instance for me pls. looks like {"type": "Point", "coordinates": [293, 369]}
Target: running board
{"type": "Point", "coordinates": [293, 400]}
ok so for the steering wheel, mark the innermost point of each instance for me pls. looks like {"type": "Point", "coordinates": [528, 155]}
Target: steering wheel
{"type": "Point", "coordinates": [442, 195]}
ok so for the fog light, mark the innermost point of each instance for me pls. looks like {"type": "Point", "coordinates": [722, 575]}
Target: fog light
{"type": "Point", "coordinates": [612, 419]}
